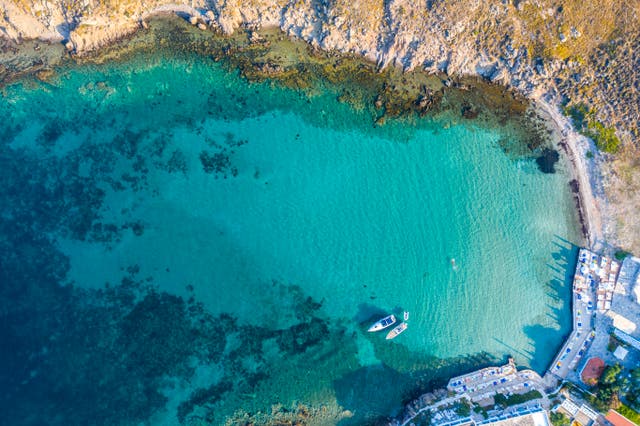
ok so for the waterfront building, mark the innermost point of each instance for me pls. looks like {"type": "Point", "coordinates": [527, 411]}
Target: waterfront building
{"type": "Point", "coordinates": [534, 416]}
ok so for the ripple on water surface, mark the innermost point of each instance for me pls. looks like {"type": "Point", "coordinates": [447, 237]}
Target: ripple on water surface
{"type": "Point", "coordinates": [229, 243]}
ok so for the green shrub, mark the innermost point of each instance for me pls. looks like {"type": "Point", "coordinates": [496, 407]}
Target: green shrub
{"type": "Point", "coordinates": [559, 419]}
{"type": "Point", "coordinates": [610, 374]}
{"type": "Point", "coordinates": [579, 114]}
{"type": "Point", "coordinates": [517, 398]}
{"type": "Point", "coordinates": [462, 409]}
{"type": "Point", "coordinates": [629, 413]}
{"type": "Point", "coordinates": [604, 137]}
{"type": "Point", "coordinates": [621, 255]}
{"type": "Point", "coordinates": [481, 410]}
{"type": "Point", "coordinates": [585, 122]}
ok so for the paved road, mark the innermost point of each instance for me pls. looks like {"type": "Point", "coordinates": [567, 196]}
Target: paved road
{"type": "Point", "coordinates": [583, 307]}
{"type": "Point", "coordinates": [578, 341]}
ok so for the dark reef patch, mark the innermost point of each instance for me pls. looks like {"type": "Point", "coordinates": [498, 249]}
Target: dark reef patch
{"type": "Point", "coordinates": [469, 112]}
{"type": "Point", "coordinates": [50, 133]}
{"type": "Point", "coordinates": [127, 143]}
{"type": "Point", "coordinates": [203, 396]}
{"type": "Point", "coordinates": [156, 336]}
{"type": "Point", "coordinates": [547, 160]}
{"type": "Point", "coordinates": [177, 162]}
{"type": "Point", "coordinates": [300, 337]}
{"type": "Point", "coordinates": [217, 163]}
{"type": "Point", "coordinates": [47, 195]}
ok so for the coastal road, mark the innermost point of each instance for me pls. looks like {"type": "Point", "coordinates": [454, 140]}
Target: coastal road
{"type": "Point", "coordinates": [576, 345]}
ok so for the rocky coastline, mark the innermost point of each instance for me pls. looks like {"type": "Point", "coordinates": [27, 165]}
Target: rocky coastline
{"type": "Point", "coordinates": [586, 180]}
{"type": "Point", "coordinates": [452, 42]}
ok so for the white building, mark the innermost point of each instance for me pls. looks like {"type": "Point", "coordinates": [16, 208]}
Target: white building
{"type": "Point", "coordinates": [620, 353]}
{"type": "Point", "coordinates": [630, 277]}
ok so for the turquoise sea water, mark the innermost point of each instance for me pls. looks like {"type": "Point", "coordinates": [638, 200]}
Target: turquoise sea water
{"type": "Point", "coordinates": [284, 224]}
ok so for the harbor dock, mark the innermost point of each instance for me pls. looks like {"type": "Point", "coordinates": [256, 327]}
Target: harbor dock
{"type": "Point", "coordinates": [593, 284]}
{"type": "Point", "coordinates": [595, 295]}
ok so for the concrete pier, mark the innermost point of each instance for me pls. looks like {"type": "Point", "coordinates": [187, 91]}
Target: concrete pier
{"type": "Point", "coordinates": [593, 284]}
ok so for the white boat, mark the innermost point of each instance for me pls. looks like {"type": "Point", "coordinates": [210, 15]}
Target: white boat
{"type": "Point", "coordinates": [396, 331]}
{"type": "Point", "coordinates": [383, 323]}
{"type": "Point", "coordinates": [406, 315]}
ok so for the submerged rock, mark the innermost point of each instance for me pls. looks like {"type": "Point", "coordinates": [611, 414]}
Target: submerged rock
{"type": "Point", "coordinates": [468, 112]}
{"type": "Point", "coordinates": [547, 160]}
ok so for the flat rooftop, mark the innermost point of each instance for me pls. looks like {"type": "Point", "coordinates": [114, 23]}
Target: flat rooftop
{"type": "Point", "coordinates": [532, 419]}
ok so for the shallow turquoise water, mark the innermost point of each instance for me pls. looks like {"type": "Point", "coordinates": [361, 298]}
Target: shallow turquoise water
{"type": "Point", "coordinates": [183, 179]}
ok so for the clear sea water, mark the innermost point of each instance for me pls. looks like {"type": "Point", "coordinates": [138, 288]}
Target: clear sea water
{"type": "Point", "coordinates": [285, 223]}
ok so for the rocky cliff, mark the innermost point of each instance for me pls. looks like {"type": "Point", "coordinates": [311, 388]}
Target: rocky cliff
{"type": "Point", "coordinates": [580, 55]}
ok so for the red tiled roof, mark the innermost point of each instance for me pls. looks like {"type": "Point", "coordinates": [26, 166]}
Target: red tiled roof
{"type": "Point", "coordinates": [593, 370]}
{"type": "Point", "coordinates": [618, 419]}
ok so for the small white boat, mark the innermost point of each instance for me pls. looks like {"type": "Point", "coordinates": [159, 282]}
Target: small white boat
{"type": "Point", "coordinates": [406, 315]}
{"type": "Point", "coordinates": [383, 323]}
{"type": "Point", "coordinates": [396, 331]}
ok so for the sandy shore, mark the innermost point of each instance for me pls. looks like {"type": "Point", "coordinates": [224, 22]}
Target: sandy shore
{"type": "Point", "coordinates": [585, 176]}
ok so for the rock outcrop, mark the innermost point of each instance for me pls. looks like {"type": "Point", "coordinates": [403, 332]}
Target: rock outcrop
{"type": "Point", "coordinates": [520, 43]}
{"type": "Point", "coordinates": [525, 44]}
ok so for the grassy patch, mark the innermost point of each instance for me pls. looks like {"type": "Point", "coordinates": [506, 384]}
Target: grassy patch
{"type": "Point", "coordinates": [584, 120]}
{"type": "Point", "coordinates": [480, 410]}
{"type": "Point", "coordinates": [560, 51]}
{"type": "Point", "coordinates": [462, 409]}
{"type": "Point", "coordinates": [559, 419]}
{"type": "Point", "coordinates": [604, 137]}
{"type": "Point", "coordinates": [516, 399]}
{"type": "Point", "coordinates": [621, 255]}
{"type": "Point", "coordinates": [629, 413]}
